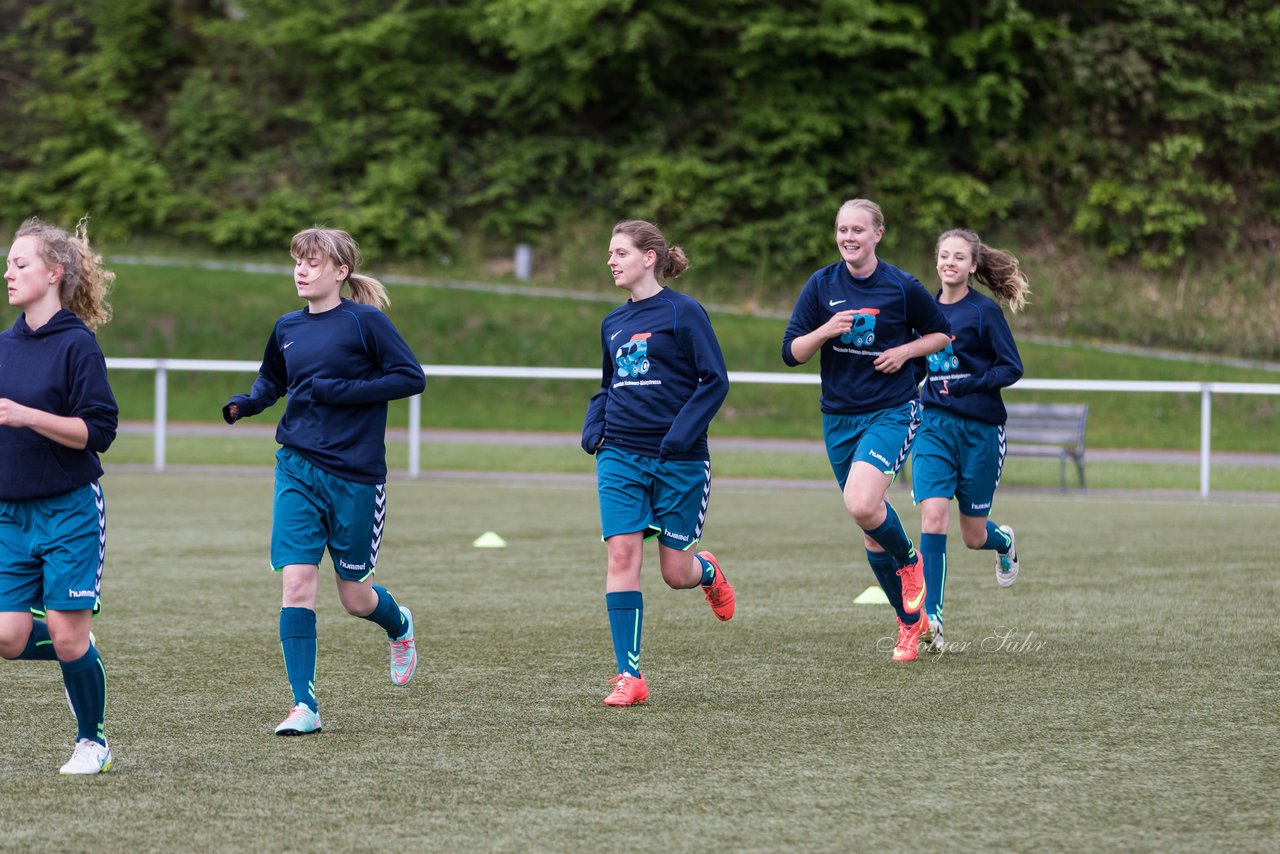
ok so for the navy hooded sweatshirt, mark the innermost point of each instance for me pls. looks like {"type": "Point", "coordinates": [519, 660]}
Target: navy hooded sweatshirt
{"type": "Point", "coordinates": [57, 368]}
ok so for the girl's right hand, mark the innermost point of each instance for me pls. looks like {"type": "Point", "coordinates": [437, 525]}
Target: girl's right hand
{"type": "Point", "coordinates": [839, 323]}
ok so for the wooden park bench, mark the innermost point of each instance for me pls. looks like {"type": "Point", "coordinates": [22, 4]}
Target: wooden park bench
{"type": "Point", "coordinates": [1048, 430]}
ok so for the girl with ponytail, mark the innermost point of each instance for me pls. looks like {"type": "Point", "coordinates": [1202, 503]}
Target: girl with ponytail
{"type": "Point", "coordinates": [340, 361]}
{"type": "Point", "coordinates": [959, 451]}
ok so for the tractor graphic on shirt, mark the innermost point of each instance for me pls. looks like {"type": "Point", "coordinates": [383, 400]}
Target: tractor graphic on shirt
{"type": "Point", "coordinates": [863, 333]}
{"type": "Point", "coordinates": [945, 359]}
{"type": "Point", "coordinates": [632, 358]}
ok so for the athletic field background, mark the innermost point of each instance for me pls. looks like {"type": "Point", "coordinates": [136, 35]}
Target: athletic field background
{"type": "Point", "coordinates": [1120, 696]}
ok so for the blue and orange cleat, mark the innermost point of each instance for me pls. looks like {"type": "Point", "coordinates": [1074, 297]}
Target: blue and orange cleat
{"type": "Point", "coordinates": [720, 593]}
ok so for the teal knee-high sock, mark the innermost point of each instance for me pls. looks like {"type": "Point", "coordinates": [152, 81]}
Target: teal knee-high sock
{"type": "Point", "coordinates": [86, 683]}
{"type": "Point", "coordinates": [39, 645]}
{"type": "Point", "coordinates": [997, 540]}
{"type": "Point", "coordinates": [387, 614]}
{"type": "Point", "coordinates": [626, 618]}
{"type": "Point", "coordinates": [933, 551]}
{"type": "Point", "coordinates": [893, 538]}
{"type": "Point", "coordinates": [298, 643]}
{"type": "Point", "coordinates": [885, 567]}
{"type": "Point", "coordinates": [708, 570]}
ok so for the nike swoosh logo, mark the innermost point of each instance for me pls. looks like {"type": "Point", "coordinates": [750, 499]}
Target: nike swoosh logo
{"type": "Point", "coordinates": [615, 335]}
{"type": "Point", "coordinates": [287, 345]}
{"type": "Point", "coordinates": [835, 302]}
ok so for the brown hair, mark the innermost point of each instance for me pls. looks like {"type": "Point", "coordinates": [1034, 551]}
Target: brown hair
{"type": "Point", "coordinates": [342, 249]}
{"type": "Point", "coordinates": [84, 284]}
{"type": "Point", "coordinates": [645, 235]}
{"type": "Point", "coordinates": [997, 269]}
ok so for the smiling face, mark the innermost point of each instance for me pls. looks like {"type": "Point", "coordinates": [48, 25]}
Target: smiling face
{"type": "Point", "coordinates": [318, 280]}
{"type": "Point", "coordinates": [857, 237]}
{"type": "Point", "coordinates": [955, 262]}
{"type": "Point", "coordinates": [630, 267]}
{"type": "Point", "coordinates": [32, 283]}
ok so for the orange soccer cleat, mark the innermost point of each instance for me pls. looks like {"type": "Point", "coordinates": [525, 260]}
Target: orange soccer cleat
{"type": "Point", "coordinates": [720, 593]}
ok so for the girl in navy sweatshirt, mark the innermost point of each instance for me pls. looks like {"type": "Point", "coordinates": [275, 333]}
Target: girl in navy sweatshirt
{"type": "Point", "coordinates": [57, 413]}
{"type": "Point", "coordinates": [960, 448]}
{"type": "Point", "coordinates": [869, 320]}
{"type": "Point", "coordinates": [339, 360]}
{"type": "Point", "coordinates": [663, 379]}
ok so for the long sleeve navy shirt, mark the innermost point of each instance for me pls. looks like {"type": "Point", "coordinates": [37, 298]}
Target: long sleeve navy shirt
{"type": "Point", "coordinates": [663, 379]}
{"type": "Point", "coordinates": [892, 308]}
{"type": "Point", "coordinates": [58, 368]}
{"type": "Point", "coordinates": [339, 368]}
{"type": "Point", "coordinates": [981, 359]}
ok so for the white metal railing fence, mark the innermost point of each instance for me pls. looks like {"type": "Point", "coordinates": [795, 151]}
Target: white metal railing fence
{"type": "Point", "coordinates": [162, 367]}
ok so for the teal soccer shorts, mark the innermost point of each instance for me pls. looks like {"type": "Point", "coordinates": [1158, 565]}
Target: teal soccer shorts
{"type": "Point", "coordinates": [663, 499]}
{"type": "Point", "coordinates": [51, 551]}
{"type": "Point", "coordinates": [959, 457]}
{"type": "Point", "coordinates": [314, 510]}
{"type": "Point", "coordinates": [882, 438]}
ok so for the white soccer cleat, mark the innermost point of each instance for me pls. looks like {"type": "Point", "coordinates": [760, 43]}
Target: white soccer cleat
{"type": "Point", "coordinates": [935, 642]}
{"type": "Point", "coordinates": [1007, 564]}
{"type": "Point", "coordinates": [89, 757]}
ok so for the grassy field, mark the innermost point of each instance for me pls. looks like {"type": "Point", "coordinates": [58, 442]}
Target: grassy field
{"type": "Point", "coordinates": [1119, 696]}
{"type": "Point", "coordinates": [188, 312]}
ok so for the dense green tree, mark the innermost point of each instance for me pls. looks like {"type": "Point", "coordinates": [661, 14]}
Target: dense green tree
{"type": "Point", "coordinates": [1143, 125]}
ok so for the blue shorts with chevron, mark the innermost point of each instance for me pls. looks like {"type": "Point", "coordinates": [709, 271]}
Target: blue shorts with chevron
{"type": "Point", "coordinates": [882, 438]}
{"type": "Point", "coordinates": [667, 500]}
{"type": "Point", "coordinates": [957, 456]}
{"type": "Point", "coordinates": [314, 510]}
{"type": "Point", "coordinates": [51, 551]}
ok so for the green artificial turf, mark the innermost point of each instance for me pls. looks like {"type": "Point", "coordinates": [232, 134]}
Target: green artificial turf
{"type": "Point", "coordinates": [1116, 697]}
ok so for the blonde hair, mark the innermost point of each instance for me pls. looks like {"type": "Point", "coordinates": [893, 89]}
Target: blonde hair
{"type": "Point", "coordinates": [341, 248]}
{"type": "Point", "coordinates": [84, 284]}
{"type": "Point", "coordinates": [672, 260]}
{"type": "Point", "coordinates": [997, 269]}
{"type": "Point", "coordinates": [877, 215]}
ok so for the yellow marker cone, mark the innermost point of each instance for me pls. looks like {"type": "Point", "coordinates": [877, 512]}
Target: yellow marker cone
{"type": "Point", "coordinates": [872, 596]}
{"type": "Point", "coordinates": [490, 540]}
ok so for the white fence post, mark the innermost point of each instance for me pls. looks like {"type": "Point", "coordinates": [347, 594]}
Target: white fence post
{"type": "Point", "coordinates": [415, 435]}
{"type": "Point", "coordinates": [1206, 404]}
{"type": "Point", "coordinates": [162, 414]}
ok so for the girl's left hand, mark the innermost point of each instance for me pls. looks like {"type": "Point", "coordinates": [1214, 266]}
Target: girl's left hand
{"type": "Point", "coordinates": [892, 360]}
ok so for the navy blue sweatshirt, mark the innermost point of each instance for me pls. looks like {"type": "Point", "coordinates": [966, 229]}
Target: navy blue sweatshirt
{"type": "Point", "coordinates": [981, 359]}
{"type": "Point", "coordinates": [339, 368]}
{"type": "Point", "coordinates": [57, 368]}
{"type": "Point", "coordinates": [893, 309]}
{"type": "Point", "coordinates": [662, 381]}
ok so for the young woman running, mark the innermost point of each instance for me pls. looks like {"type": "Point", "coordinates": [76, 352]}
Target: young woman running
{"type": "Point", "coordinates": [57, 413]}
{"type": "Point", "coordinates": [959, 450]}
{"type": "Point", "coordinates": [663, 380]}
{"type": "Point", "coordinates": [339, 360]}
{"type": "Point", "coordinates": [868, 320]}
